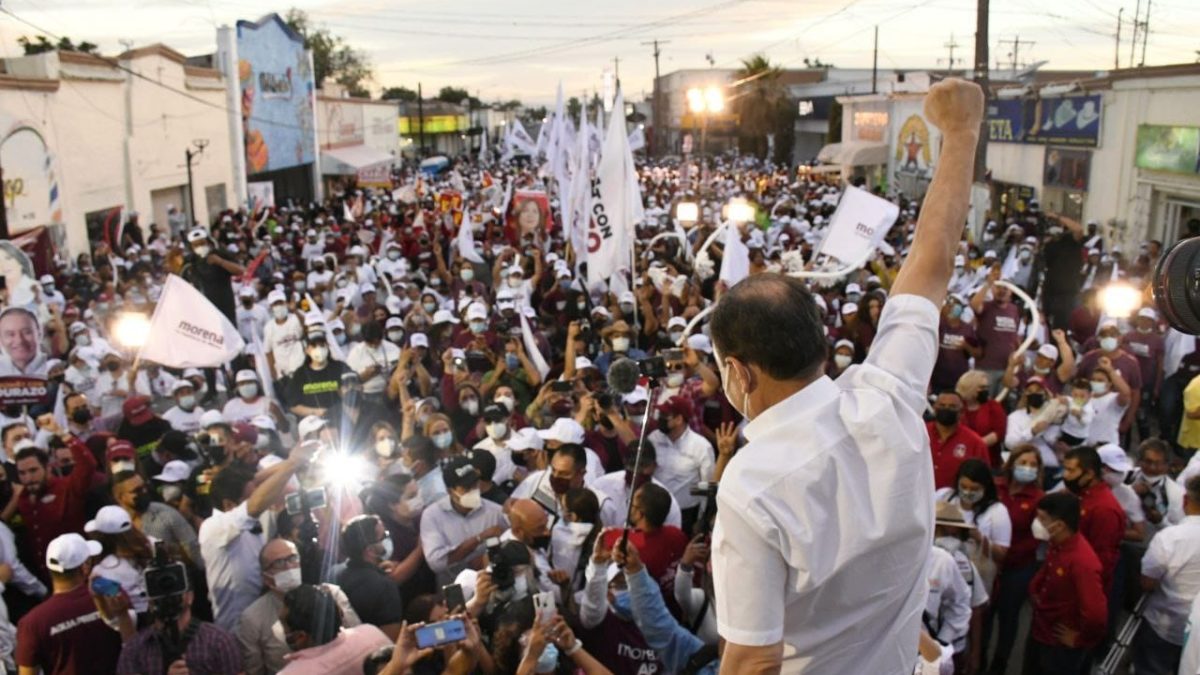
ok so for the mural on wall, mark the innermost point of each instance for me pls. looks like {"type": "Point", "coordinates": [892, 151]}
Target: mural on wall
{"type": "Point", "coordinates": [913, 154]}
{"type": "Point", "coordinates": [31, 193]}
{"type": "Point", "coordinates": [278, 97]}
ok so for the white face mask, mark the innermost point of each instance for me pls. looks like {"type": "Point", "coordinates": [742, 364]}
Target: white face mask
{"type": "Point", "coordinates": [471, 406]}
{"type": "Point", "coordinates": [187, 401]}
{"type": "Point", "coordinates": [675, 380]}
{"type": "Point", "coordinates": [471, 500]}
{"type": "Point", "coordinates": [842, 360]}
{"type": "Point", "coordinates": [497, 430]}
{"type": "Point", "coordinates": [620, 344]}
{"type": "Point", "coordinates": [1039, 531]}
{"type": "Point", "coordinates": [1109, 344]}
{"type": "Point", "coordinates": [579, 533]}
{"type": "Point", "coordinates": [171, 493]}
{"type": "Point", "coordinates": [279, 312]}
{"type": "Point", "coordinates": [319, 354]}
{"type": "Point", "coordinates": [287, 580]}
{"type": "Point", "coordinates": [744, 412]}
{"type": "Point", "coordinates": [249, 390]}
{"type": "Point", "coordinates": [385, 447]}
{"type": "Point", "coordinates": [203, 251]}
{"type": "Point", "coordinates": [388, 548]}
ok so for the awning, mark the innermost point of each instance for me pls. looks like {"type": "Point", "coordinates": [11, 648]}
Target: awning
{"type": "Point", "coordinates": [824, 168]}
{"type": "Point", "coordinates": [350, 160]}
{"type": "Point", "coordinates": [854, 153]}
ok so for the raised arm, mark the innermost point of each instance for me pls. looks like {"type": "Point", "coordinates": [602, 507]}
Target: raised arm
{"type": "Point", "coordinates": [956, 108]}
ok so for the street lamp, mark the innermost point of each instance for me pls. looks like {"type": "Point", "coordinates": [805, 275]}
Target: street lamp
{"type": "Point", "coordinates": [739, 211]}
{"type": "Point", "coordinates": [705, 102]}
{"type": "Point", "coordinates": [189, 155]}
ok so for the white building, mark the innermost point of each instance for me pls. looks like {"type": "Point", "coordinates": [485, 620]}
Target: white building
{"type": "Point", "coordinates": [86, 139]}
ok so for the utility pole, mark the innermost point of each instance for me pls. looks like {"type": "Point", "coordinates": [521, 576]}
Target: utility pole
{"type": "Point", "coordinates": [421, 119]}
{"type": "Point", "coordinates": [656, 137]}
{"type": "Point", "coordinates": [875, 62]}
{"type": "Point", "coordinates": [617, 70]}
{"type": "Point", "coordinates": [951, 45]}
{"type": "Point", "coordinates": [981, 78]}
{"type": "Point", "coordinates": [1016, 43]}
{"type": "Point", "coordinates": [189, 155]}
{"type": "Point", "coordinates": [1137, 14]}
{"type": "Point", "coordinates": [1145, 33]}
{"type": "Point", "coordinates": [1117, 55]}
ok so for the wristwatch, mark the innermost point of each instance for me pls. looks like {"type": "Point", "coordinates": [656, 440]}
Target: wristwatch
{"type": "Point", "coordinates": [575, 648]}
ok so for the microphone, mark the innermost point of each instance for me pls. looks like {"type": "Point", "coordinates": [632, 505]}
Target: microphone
{"type": "Point", "coordinates": [623, 375]}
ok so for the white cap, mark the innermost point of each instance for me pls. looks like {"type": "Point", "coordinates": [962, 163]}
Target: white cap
{"type": "Point", "coordinates": [176, 471]}
{"type": "Point", "coordinates": [849, 308]}
{"type": "Point", "coordinates": [476, 311]}
{"type": "Point", "coordinates": [358, 251]}
{"type": "Point", "coordinates": [212, 418]}
{"type": "Point", "coordinates": [700, 342]}
{"type": "Point", "coordinates": [853, 288]}
{"type": "Point", "coordinates": [192, 372]}
{"type": "Point", "coordinates": [989, 255]}
{"type": "Point", "coordinates": [843, 343]}
{"type": "Point", "coordinates": [443, 316]}
{"type": "Point", "coordinates": [180, 384]}
{"type": "Point", "coordinates": [247, 291]}
{"type": "Point", "coordinates": [677, 321]}
{"type": "Point", "coordinates": [68, 551]}
{"type": "Point", "coordinates": [78, 327]}
{"type": "Point", "coordinates": [418, 340]}
{"type": "Point", "coordinates": [564, 430]}
{"type": "Point", "coordinates": [638, 395]}
{"type": "Point", "coordinates": [198, 234]}
{"type": "Point", "coordinates": [627, 296]}
{"type": "Point", "coordinates": [310, 425]}
{"type": "Point", "coordinates": [1048, 351]}
{"type": "Point", "coordinates": [245, 376]}
{"type": "Point", "coordinates": [109, 520]}
{"type": "Point", "coordinates": [46, 279]}
{"type": "Point", "coordinates": [366, 288]}
{"type": "Point", "coordinates": [959, 261]}
{"type": "Point", "coordinates": [602, 311]}
{"type": "Point", "coordinates": [1112, 456]}
{"type": "Point", "coordinates": [582, 362]}
{"type": "Point", "coordinates": [265, 422]}
{"type": "Point", "coordinates": [1107, 323]}
{"type": "Point", "coordinates": [525, 439]}
{"type": "Point", "coordinates": [23, 444]}
{"type": "Point", "coordinates": [275, 296]}
{"type": "Point", "coordinates": [1148, 313]}
{"type": "Point", "coordinates": [393, 322]}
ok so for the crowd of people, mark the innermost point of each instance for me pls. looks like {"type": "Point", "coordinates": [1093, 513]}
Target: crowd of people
{"type": "Point", "coordinates": [419, 465]}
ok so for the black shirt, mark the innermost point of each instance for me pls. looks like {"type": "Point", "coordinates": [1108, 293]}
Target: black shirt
{"type": "Point", "coordinates": [1063, 261]}
{"type": "Point", "coordinates": [215, 282]}
{"type": "Point", "coordinates": [316, 388]}
{"type": "Point", "coordinates": [373, 595]}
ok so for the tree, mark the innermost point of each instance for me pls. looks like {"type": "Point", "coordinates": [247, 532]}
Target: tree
{"type": "Point", "coordinates": [332, 57]}
{"type": "Point", "coordinates": [574, 107]}
{"type": "Point", "coordinates": [763, 107]}
{"type": "Point", "coordinates": [43, 44]}
{"type": "Point", "coordinates": [399, 94]}
{"type": "Point", "coordinates": [457, 95]}
{"type": "Point", "coordinates": [507, 105]}
{"type": "Point", "coordinates": [816, 63]}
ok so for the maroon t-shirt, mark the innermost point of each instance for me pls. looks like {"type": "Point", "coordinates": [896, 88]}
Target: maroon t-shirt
{"type": "Point", "coordinates": [952, 360]}
{"type": "Point", "coordinates": [1125, 363]}
{"type": "Point", "coordinates": [1147, 348]}
{"type": "Point", "coordinates": [998, 332]}
{"type": "Point", "coordinates": [619, 645]}
{"type": "Point", "coordinates": [65, 634]}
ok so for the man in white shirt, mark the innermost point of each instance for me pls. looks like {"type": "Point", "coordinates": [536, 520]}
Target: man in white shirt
{"type": "Point", "coordinates": [1171, 579]}
{"type": "Point", "coordinates": [455, 528]}
{"type": "Point", "coordinates": [1162, 498]}
{"type": "Point", "coordinates": [828, 509]}
{"type": "Point", "coordinates": [319, 278]}
{"type": "Point", "coordinates": [949, 603]}
{"type": "Point", "coordinates": [496, 426]}
{"type": "Point", "coordinates": [373, 359]}
{"type": "Point", "coordinates": [618, 485]}
{"type": "Point", "coordinates": [251, 316]}
{"type": "Point", "coordinates": [283, 337]}
{"type": "Point", "coordinates": [685, 458]}
{"type": "Point", "coordinates": [185, 414]}
{"type": "Point", "coordinates": [232, 537]}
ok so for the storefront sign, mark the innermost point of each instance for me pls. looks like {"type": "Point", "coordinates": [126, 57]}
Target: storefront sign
{"type": "Point", "coordinates": [1067, 169]}
{"type": "Point", "coordinates": [375, 176]}
{"type": "Point", "coordinates": [277, 94]}
{"type": "Point", "coordinates": [1163, 148]}
{"type": "Point", "coordinates": [806, 108]}
{"type": "Point", "coordinates": [1065, 120]}
{"type": "Point", "coordinates": [869, 125]}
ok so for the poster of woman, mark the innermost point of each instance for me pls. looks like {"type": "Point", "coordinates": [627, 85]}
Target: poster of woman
{"type": "Point", "coordinates": [530, 213]}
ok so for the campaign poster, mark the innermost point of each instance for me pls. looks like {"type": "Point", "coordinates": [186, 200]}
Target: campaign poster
{"type": "Point", "coordinates": [278, 99]}
{"type": "Point", "coordinates": [530, 212]}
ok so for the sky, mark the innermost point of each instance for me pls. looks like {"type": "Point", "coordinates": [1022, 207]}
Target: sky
{"type": "Point", "coordinates": [522, 49]}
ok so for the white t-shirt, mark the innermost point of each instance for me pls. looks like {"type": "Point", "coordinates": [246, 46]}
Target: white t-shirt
{"type": "Point", "coordinates": [238, 409]}
{"type": "Point", "coordinates": [363, 356]}
{"type": "Point", "coordinates": [1078, 421]}
{"type": "Point", "coordinates": [1104, 426]}
{"type": "Point", "coordinates": [949, 599]}
{"type": "Point", "coordinates": [994, 524]}
{"type": "Point", "coordinates": [284, 341]}
{"type": "Point", "coordinates": [1190, 664]}
{"type": "Point", "coordinates": [230, 549]}
{"type": "Point", "coordinates": [182, 420]}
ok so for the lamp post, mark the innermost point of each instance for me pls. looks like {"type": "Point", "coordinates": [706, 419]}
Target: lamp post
{"type": "Point", "coordinates": [189, 155]}
{"type": "Point", "coordinates": [704, 102]}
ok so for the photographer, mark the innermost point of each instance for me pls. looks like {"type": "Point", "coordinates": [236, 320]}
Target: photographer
{"type": "Point", "coordinates": [312, 624]}
{"type": "Point", "coordinates": [374, 596]}
{"type": "Point", "coordinates": [205, 648]}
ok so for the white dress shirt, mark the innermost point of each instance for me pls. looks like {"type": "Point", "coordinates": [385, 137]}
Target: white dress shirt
{"type": "Point", "coordinates": [183, 420]}
{"type": "Point", "coordinates": [949, 601]}
{"type": "Point", "coordinates": [1020, 431]}
{"type": "Point", "coordinates": [826, 516]}
{"type": "Point", "coordinates": [682, 464]}
{"type": "Point", "coordinates": [1168, 498]}
{"type": "Point", "coordinates": [1190, 663]}
{"type": "Point", "coordinates": [443, 529]}
{"type": "Point", "coordinates": [230, 550]}
{"type": "Point", "coordinates": [1173, 558]}
{"type": "Point", "coordinates": [613, 487]}
{"type": "Point", "coordinates": [505, 468]}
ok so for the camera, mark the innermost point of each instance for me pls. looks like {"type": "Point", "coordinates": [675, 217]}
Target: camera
{"type": "Point", "coordinates": [166, 580]}
{"type": "Point", "coordinates": [1176, 286]}
{"type": "Point", "coordinates": [300, 502]}
{"type": "Point", "coordinates": [502, 572]}
{"type": "Point", "coordinates": [654, 367]}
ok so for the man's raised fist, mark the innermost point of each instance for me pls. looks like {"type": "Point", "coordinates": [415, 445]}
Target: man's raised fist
{"type": "Point", "coordinates": [955, 106]}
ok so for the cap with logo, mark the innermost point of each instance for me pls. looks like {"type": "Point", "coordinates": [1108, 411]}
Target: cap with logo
{"type": "Point", "coordinates": [69, 551]}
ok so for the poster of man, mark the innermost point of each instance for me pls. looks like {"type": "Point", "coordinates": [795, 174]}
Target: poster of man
{"type": "Point", "coordinates": [21, 344]}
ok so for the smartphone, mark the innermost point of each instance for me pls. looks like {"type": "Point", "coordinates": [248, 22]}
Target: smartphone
{"type": "Point", "coordinates": [562, 386]}
{"type": "Point", "coordinates": [543, 607]}
{"type": "Point", "coordinates": [453, 594]}
{"type": "Point", "coordinates": [672, 355]}
{"type": "Point", "coordinates": [442, 633]}
{"type": "Point", "coordinates": [106, 587]}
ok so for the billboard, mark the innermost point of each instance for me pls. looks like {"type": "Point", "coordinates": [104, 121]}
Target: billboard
{"type": "Point", "coordinates": [341, 123]}
{"type": "Point", "coordinates": [1163, 148]}
{"type": "Point", "coordinates": [276, 82]}
{"type": "Point", "coordinates": [1062, 120]}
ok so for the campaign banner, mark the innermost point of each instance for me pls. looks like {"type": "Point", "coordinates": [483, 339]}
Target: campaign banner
{"type": "Point", "coordinates": [20, 390]}
{"type": "Point", "coordinates": [375, 176]}
{"type": "Point", "coordinates": [261, 195]}
{"type": "Point", "coordinates": [531, 212]}
{"type": "Point", "coordinates": [858, 226]}
{"type": "Point", "coordinates": [1061, 120]}
{"type": "Point", "coordinates": [188, 331]}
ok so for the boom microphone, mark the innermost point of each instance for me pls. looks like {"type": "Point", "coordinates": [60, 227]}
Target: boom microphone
{"type": "Point", "coordinates": [623, 376]}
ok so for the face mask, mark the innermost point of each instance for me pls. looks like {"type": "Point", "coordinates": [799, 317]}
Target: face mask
{"type": "Point", "coordinates": [842, 361]}
{"type": "Point", "coordinates": [471, 406]}
{"type": "Point", "coordinates": [1035, 400]}
{"type": "Point", "coordinates": [1024, 474]}
{"type": "Point", "coordinates": [471, 500]}
{"type": "Point", "coordinates": [319, 354]}
{"type": "Point", "coordinates": [620, 344]}
{"type": "Point", "coordinates": [1099, 388]}
{"type": "Point", "coordinates": [946, 417]}
{"type": "Point", "coordinates": [1025, 256]}
{"type": "Point", "coordinates": [512, 361]}
{"type": "Point", "coordinates": [393, 255]}
{"type": "Point", "coordinates": [1075, 485]}
{"type": "Point", "coordinates": [299, 286]}
{"type": "Point", "coordinates": [515, 282]}
{"type": "Point", "coordinates": [560, 485]}
{"type": "Point", "coordinates": [1153, 481]}
{"type": "Point", "coordinates": [675, 380]}
{"type": "Point", "coordinates": [1039, 531]}
{"type": "Point", "coordinates": [626, 307]}
{"type": "Point", "coordinates": [507, 401]}
{"type": "Point", "coordinates": [622, 605]}
{"type": "Point", "coordinates": [341, 283]}
{"type": "Point", "coordinates": [1041, 371]}
{"type": "Point", "coordinates": [83, 341]}
{"type": "Point", "coordinates": [969, 498]}
{"type": "Point", "coordinates": [578, 533]}
{"type": "Point", "coordinates": [443, 440]}
{"type": "Point", "coordinates": [467, 274]}
{"type": "Point", "coordinates": [388, 548]}
{"type": "Point", "coordinates": [171, 493]}
{"type": "Point", "coordinates": [663, 424]}
{"type": "Point", "coordinates": [948, 544]}
{"type": "Point", "coordinates": [203, 251]}
{"type": "Point", "coordinates": [430, 307]}
{"type": "Point", "coordinates": [122, 465]}
{"type": "Point", "coordinates": [540, 543]}
{"type": "Point", "coordinates": [395, 336]}
{"type": "Point", "coordinates": [280, 312]}
{"type": "Point", "coordinates": [632, 482]}
{"type": "Point", "coordinates": [142, 502]}
{"type": "Point", "coordinates": [497, 430]}
{"type": "Point", "coordinates": [478, 327]}
{"type": "Point", "coordinates": [548, 661]}
{"type": "Point", "coordinates": [676, 336]}
{"type": "Point", "coordinates": [248, 390]}
{"type": "Point", "coordinates": [581, 306]}
{"type": "Point", "coordinates": [956, 312]}
{"type": "Point", "coordinates": [1109, 344]}
{"type": "Point", "coordinates": [560, 305]}
{"type": "Point", "coordinates": [81, 416]}
{"type": "Point", "coordinates": [287, 580]}
{"type": "Point", "coordinates": [982, 396]}
{"type": "Point", "coordinates": [385, 447]}
{"type": "Point", "coordinates": [1113, 479]}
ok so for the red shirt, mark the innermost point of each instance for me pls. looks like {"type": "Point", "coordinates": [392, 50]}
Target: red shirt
{"type": "Point", "coordinates": [1067, 590]}
{"type": "Point", "coordinates": [660, 550]}
{"type": "Point", "coordinates": [59, 508]}
{"type": "Point", "coordinates": [987, 418]}
{"type": "Point", "coordinates": [65, 634]}
{"type": "Point", "coordinates": [1022, 509]}
{"type": "Point", "coordinates": [950, 453]}
{"type": "Point", "coordinates": [1102, 523]}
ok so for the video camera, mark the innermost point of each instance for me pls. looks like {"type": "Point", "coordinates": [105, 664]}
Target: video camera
{"type": "Point", "coordinates": [1176, 286]}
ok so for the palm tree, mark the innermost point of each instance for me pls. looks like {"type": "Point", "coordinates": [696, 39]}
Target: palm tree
{"type": "Point", "coordinates": [761, 103]}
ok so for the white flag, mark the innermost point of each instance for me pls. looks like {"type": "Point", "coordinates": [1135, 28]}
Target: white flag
{"type": "Point", "coordinates": [466, 241]}
{"type": "Point", "coordinates": [188, 331]}
{"type": "Point", "coordinates": [637, 139]}
{"type": "Point", "coordinates": [520, 140]}
{"type": "Point", "coordinates": [857, 227]}
{"type": "Point", "coordinates": [576, 223]}
{"type": "Point", "coordinates": [735, 262]}
{"type": "Point", "coordinates": [531, 347]}
{"type": "Point", "coordinates": [485, 150]}
{"type": "Point", "coordinates": [617, 202]}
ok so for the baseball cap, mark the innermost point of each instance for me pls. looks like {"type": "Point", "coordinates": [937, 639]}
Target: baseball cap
{"type": "Point", "coordinates": [137, 410]}
{"type": "Point", "coordinates": [525, 439]}
{"type": "Point", "coordinates": [263, 423]}
{"type": "Point", "coordinates": [638, 395]}
{"type": "Point", "coordinates": [677, 321]}
{"type": "Point", "coordinates": [1148, 313]}
{"type": "Point", "coordinates": [700, 342]}
{"type": "Point", "coordinates": [418, 340]}
{"type": "Point", "coordinates": [276, 297]}
{"type": "Point", "coordinates": [495, 412]}
{"type": "Point", "coordinates": [394, 322]}
{"type": "Point", "coordinates": [245, 432]}
{"type": "Point", "coordinates": [564, 430]}
{"type": "Point", "coordinates": [459, 472]}
{"type": "Point", "coordinates": [676, 405]}
{"type": "Point", "coordinates": [78, 327]}
{"type": "Point", "coordinates": [247, 292]}
{"type": "Point", "coordinates": [1112, 456]}
{"type": "Point", "coordinates": [212, 418]}
{"type": "Point", "coordinates": [310, 425]}
{"type": "Point", "coordinates": [120, 450]}
{"type": "Point", "coordinates": [182, 383]}
{"type": "Point", "coordinates": [197, 234]}
{"type": "Point", "coordinates": [843, 343]}
{"type": "Point", "coordinates": [68, 551]}
{"type": "Point", "coordinates": [476, 311]}
{"type": "Point", "coordinates": [245, 376]}
{"type": "Point", "coordinates": [444, 316]}
{"type": "Point", "coordinates": [849, 308]}
{"type": "Point", "coordinates": [1048, 351]}
{"type": "Point", "coordinates": [583, 362]}
{"type": "Point", "coordinates": [853, 288]}
{"type": "Point", "coordinates": [109, 520]}
{"type": "Point", "coordinates": [176, 471]}
{"type": "Point", "coordinates": [627, 296]}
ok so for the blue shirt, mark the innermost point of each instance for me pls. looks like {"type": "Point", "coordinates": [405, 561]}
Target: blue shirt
{"type": "Point", "coordinates": [605, 359]}
{"type": "Point", "coordinates": [673, 643]}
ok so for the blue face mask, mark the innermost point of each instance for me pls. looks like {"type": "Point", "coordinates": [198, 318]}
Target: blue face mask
{"type": "Point", "coordinates": [548, 661]}
{"type": "Point", "coordinates": [956, 311]}
{"type": "Point", "coordinates": [1024, 474]}
{"type": "Point", "coordinates": [622, 604]}
{"type": "Point", "coordinates": [478, 327]}
{"type": "Point", "coordinates": [511, 361]}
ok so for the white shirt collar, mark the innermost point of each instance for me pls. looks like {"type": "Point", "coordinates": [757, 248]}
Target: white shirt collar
{"type": "Point", "coordinates": [818, 393]}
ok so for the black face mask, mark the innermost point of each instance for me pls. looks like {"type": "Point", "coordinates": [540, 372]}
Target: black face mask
{"type": "Point", "coordinates": [81, 415]}
{"type": "Point", "coordinates": [142, 502]}
{"type": "Point", "coordinates": [664, 425]}
{"type": "Point", "coordinates": [1035, 400]}
{"type": "Point", "coordinates": [540, 543]}
{"type": "Point", "coordinates": [518, 458]}
{"type": "Point", "coordinates": [1075, 485]}
{"type": "Point", "coordinates": [982, 396]}
{"type": "Point", "coordinates": [946, 417]}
